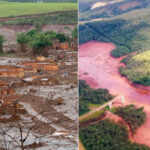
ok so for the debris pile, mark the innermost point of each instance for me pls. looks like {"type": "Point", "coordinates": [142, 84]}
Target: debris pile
{"type": "Point", "coordinates": [42, 91]}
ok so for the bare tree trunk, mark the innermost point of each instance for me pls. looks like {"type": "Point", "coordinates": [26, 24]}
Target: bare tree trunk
{"type": "Point", "coordinates": [1, 48]}
{"type": "Point", "coordinates": [21, 136]}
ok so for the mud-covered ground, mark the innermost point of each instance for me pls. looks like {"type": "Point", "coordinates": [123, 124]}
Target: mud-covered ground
{"type": "Point", "coordinates": [39, 99]}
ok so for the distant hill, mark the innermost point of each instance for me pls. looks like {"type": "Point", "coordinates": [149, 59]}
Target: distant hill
{"type": "Point", "coordinates": [92, 9]}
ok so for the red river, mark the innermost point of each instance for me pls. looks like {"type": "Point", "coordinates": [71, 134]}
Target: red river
{"type": "Point", "coordinates": [100, 70]}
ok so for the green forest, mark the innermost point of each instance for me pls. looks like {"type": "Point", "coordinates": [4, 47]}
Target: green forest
{"type": "Point", "coordinates": [133, 116]}
{"type": "Point", "coordinates": [107, 135]}
{"type": "Point", "coordinates": [122, 33]}
{"type": "Point", "coordinates": [88, 96]}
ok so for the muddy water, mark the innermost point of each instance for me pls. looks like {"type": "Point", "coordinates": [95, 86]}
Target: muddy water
{"type": "Point", "coordinates": [100, 70]}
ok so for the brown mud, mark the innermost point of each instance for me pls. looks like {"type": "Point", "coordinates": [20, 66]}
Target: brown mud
{"type": "Point", "coordinates": [43, 90]}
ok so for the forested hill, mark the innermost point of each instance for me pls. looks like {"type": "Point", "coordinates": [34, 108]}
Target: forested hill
{"type": "Point", "coordinates": [40, 0]}
{"type": "Point", "coordinates": [129, 32]}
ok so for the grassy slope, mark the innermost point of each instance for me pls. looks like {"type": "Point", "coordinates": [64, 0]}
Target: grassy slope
{"type": "Point", "coordinates": [138, 68]}
{"type": "Point", "coordinates": [8, 9]}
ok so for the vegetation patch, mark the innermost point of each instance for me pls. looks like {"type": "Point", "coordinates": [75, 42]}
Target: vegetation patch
{"type": "Point", "coordinates": [39, 41]}
{"type": "Point", "coordinates": [137, 68]}
{"type": "Point", "coordinates": [91, 96]}
{"type": "Point", "coordinates": [94, 116]}
{"type": "Point", "coordinates": [105, 136]}
{"type": "Point", "coordinates": [1, 43]}
{"type": "Point", "coordinates": [65, 17]}
{"type": "Point", "coordinates": [133, 116]}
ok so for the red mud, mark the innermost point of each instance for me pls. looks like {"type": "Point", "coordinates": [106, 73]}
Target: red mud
{"type": "Point", "coordinates": [100, 70]}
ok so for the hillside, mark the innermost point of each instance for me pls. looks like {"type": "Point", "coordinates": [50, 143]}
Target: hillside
{"type": "Point", "coordinates": [109, 8]}
{"type": "Point", "coordinates": [129, 32]}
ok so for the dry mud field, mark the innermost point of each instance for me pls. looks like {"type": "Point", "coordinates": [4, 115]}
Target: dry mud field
{"type": "Point", "coordinates": [38, 98]}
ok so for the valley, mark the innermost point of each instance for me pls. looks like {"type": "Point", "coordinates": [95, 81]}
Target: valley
{"type": "Point", "coordinates": [105, 74]}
